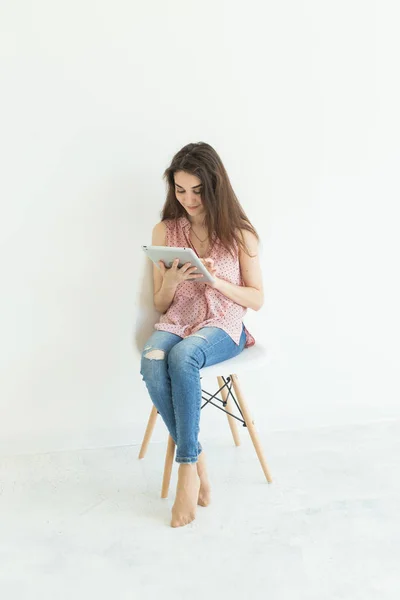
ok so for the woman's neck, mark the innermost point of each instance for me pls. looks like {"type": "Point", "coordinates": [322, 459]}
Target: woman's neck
{"type": "Point", "coordinates": [197, 222]}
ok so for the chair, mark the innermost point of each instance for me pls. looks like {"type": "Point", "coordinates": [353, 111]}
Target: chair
{"type": "Point", "coordinates": [228, 386]}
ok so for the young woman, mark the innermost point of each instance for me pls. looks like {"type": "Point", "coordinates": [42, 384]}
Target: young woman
{"type": "Point", "coordinates": [201, 324]}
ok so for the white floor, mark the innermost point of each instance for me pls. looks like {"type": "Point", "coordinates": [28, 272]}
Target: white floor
{"type": "Point", "coordinates": [91, 523]}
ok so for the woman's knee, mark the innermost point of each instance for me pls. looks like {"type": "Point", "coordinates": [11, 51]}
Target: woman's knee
{"type": "Point", "coordinates": [149, 357]}
{"type": "Point", "coordinates": [182, 355]}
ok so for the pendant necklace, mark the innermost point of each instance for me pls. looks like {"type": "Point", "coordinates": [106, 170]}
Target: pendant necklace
{"type": "Point", "coordinates": [190, 243]}
{"type": "Point", "coordinates": [201, 241]}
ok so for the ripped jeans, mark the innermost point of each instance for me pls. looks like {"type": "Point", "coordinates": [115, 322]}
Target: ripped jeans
{"type": "Point", "coordinates": [170, 368]}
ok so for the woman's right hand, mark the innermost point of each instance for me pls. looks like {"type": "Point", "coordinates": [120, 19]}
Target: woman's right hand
{"type": "Point", "coordinates": [174, 276]}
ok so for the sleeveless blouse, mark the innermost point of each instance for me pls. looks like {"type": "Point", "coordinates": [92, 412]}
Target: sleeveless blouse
{"type": "Point", "coordinates": [196, 304]}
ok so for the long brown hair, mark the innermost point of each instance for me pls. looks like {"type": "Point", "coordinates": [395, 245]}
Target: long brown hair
{"type": "Point", "coordinates": [224, 213]}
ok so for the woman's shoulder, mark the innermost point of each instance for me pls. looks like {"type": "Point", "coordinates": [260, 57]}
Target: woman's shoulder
{"type": "Point", "coordinates": [159, 234]}
{"type": "Point", "coordinates": [166, 228]}
{"type": "Point", "coordinates": [160, 226]}
{"type": "Point", "coordinates": [246, 236]}
{"type": "Point", "coordinates": [165, 224]}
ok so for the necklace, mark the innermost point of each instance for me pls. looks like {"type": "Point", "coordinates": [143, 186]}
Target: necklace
{"type": "Point", "coordinates": [201, 241]}
{"type": "Point", "coordinates": [202, 250]}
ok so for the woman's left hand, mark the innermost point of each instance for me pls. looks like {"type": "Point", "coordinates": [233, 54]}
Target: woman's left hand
{"type": "Point", "coordinates": [211, 268]}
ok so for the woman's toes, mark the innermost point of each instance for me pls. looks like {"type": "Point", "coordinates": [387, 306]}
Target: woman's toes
{"type": "Point", "coordinates": [180, 520]}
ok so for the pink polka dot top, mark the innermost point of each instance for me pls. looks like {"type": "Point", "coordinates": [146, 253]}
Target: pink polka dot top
{"type": "Point", "coordinates": [196, 304]}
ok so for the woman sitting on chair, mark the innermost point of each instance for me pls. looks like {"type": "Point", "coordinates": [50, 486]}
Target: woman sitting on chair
{"type": "Point", "coordinates": [201, 323]}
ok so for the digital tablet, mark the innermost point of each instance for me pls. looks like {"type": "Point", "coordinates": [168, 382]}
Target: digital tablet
{"type": "Point", "coordinates": [168, 254]}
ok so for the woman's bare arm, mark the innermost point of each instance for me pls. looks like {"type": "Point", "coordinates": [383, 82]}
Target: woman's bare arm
{"type": "Point", "coordinates": [251, 295]}
{"type": "Point", "coordinates": [163, 293]}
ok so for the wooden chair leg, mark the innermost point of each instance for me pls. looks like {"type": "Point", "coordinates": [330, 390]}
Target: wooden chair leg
{"type": "Point", "coordinates": [169, 459]}
{"type": "Point", "coordinates": [148, 433]}
{"type": "Point", "coordinates": [229, 406]}
{"type": "Point", "coordinates": [250, 426]}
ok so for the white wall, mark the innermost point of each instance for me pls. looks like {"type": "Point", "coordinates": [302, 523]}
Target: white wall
{"type": "Point", "coordinates": [300, 99]}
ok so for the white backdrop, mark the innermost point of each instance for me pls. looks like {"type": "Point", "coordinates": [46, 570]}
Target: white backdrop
{"type": "Point", "coordinates": [300, 98]}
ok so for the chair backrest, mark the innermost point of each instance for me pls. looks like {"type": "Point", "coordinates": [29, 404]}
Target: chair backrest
{"type": "Point", "coordinates": [147, 315]}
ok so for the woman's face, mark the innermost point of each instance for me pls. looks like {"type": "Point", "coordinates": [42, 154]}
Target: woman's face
{"type": "Point", "coordinates": [188, 192]}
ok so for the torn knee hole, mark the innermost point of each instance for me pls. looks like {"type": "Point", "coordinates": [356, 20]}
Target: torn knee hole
{"type": "Point", "coordinates": [155, 355]}
{"type": "Point", "coordinates": [203, 337]}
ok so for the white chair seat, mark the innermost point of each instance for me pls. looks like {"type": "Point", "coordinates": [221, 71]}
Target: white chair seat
{"type": "Point", "coordinates": [254, 357]}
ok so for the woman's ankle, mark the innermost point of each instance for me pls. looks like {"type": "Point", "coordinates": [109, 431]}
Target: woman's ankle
{"type": "Point", "coordinates": [201, 461]}
{"type": "Point", "coordinates": [187, 467]}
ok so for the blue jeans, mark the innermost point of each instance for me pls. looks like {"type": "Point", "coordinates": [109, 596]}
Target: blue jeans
{"type": "Point", "coordinates": [170, 368]}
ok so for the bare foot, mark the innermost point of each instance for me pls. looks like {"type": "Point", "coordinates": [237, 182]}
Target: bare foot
{"type": "Point", "coordinates": [187, 492]}
{"type": "Point", "coordinates": [205, 488]}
